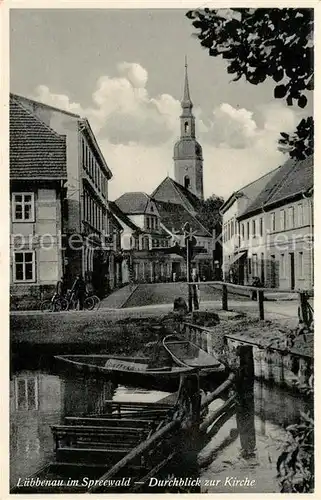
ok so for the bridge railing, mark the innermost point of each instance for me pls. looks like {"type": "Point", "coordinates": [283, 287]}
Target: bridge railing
{"type": "Point", "coordinates": [258, 293]}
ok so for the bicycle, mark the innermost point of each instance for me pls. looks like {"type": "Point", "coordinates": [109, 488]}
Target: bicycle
{"type": "Point", "coordinates": [55, 304]}
{"type": "Point", "coordinates": [91, 301]}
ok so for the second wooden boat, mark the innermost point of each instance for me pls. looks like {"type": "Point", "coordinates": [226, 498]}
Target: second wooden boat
{"type": "Point", "coordinates": [188, 355]}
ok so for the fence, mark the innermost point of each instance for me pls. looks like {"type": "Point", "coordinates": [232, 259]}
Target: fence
{"type": "Point", "coordinates": [258, 294]}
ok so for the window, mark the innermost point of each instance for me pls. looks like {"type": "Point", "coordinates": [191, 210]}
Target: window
{"type": "Point", "coordinates": [187, 182]}
{"type": "Point", "coordinates": [247, 230]}
{"type": "Point", "coordinates": [291, 217]}
{"type": "Point", "coordinates": [282, 265]}
{"type": "Point", "coordinates": [283, 220]}
{"type": "Point", "coordinates": [83, 151]}
{"type": "Point", "coordinates": [23, 207]}
{"type": "Point", "coordinates": [232, 228]}
{"type": "Point", "coordinates": [300, 214]}
{"type": "Point", "coordinates": [273, 221]}
{"type": "Point", "coordinates": [261, 227]}
{"type": "Point", "coordinates": [145, 243]}
{"type": "Point", "coordinates": [24, 266]}
{"type": "Point", "coordinates": [147, 223]}
{"type": "Point", "coordinates": [186, 127]}
{"type": "Point", "coordinates": [254, 228]}
{"type": "Point", "coordinates": [26, 393]}
{"type": "Point", "coordinates": [242, 230]}
{"type": "Point", "coordinates": [254, 265]}
{"type": "Point", "coordinates": [300, 264]}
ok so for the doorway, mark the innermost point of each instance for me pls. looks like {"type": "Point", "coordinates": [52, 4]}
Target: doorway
{"type": "Point", "coordinates": [292, 271]}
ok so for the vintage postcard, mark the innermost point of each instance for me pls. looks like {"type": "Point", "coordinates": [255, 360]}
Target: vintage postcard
{"type": "Point", "coordinates": [161, 265]}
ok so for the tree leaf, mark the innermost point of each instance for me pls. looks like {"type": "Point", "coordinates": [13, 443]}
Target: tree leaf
{"type": "Point", "coordinates": [302, 101]}
{"type": "Point", "coordinates": [280, 91]}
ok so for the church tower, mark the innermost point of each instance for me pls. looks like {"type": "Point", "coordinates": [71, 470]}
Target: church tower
{"type": "Point", "coordinates": [188, 156]}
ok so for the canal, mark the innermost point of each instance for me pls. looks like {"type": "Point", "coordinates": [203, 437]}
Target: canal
{"type": "Point", "coordinates": [41, 397]}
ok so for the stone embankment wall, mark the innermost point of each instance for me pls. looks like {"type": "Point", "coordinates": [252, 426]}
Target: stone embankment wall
{"type": "Point", "coordinates": [285, 368]}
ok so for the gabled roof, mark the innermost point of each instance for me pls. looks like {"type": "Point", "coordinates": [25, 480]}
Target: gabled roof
{"type": "Point", "coordinates": [36, 151]}
{"type": "Point", "coordinates": [184, 196]}
{"type": "Point", "coordinates": [121, 216]}
{"type": "Point", "coordinates": [249, 192]}
{"type": "Point", "coordinates": [133, 202]}
{"type": "Point", "coordinates": [173, 216]}
{"type": "Point", "coordinates": [32, 106]}
{"type": "Point", "coordinates": [114, 219]}
{"type": "Point", "coordinates": [292, 178]}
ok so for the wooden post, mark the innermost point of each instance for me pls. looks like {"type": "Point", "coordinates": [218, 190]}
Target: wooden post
{"type": "Point", "coordinates": [245, 391]}
{"type": "Point", "coordinates": [188, 273]}
{"type": "Point", "coordinates": [261, 303]}
{"type": "Point", "coordinates": [224, 298]}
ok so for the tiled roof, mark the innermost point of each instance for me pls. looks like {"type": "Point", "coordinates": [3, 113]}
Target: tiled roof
{"type": "Point", "coordinates": [249, 192]}
{"type": "Point", "coordinates": [291, 178]}
{"type": "Point", "coordinates": [184, 196]}
{"type": "Point", "coordinates": [121, 216]}
{"type": "Point", "coordinates": [133, 203]}
{"type": "Point", "coordinates": [36, 151]}
{"type": "Point", "coordinates": [193, 200]}
{"type": "Point", "coordinates": [299, 179]}
{"type": "Point", "coordinates": [173, 216]}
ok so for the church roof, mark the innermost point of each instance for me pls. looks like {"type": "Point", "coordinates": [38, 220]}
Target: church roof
{"type": "Point", "coordinates": [133, 202]}
{"type": "Point", "coordinates": [186, 102]}
{"type": "Point", "coordinates": [184, 196]}
{"type": "Point", "coordinates": [174, 216]}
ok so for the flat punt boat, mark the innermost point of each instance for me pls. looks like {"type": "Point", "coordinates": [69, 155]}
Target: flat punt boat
{"type": "Point", "coordinates": [88, 447]}
{"type": "Point", "coordinates": [188, 355]}
{"type": "Point", "coordinates": [127, 370]}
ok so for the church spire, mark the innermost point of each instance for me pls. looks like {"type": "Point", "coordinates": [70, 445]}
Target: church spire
{"type": "Point", "coordinates": [186, 102]}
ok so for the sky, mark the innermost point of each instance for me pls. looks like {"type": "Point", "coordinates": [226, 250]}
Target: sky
{"type": "Point", "coordinates": [124, 70]}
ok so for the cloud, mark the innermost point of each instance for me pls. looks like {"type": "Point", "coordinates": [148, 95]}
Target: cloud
{"type": "Point", "coordinates": [137, 132]}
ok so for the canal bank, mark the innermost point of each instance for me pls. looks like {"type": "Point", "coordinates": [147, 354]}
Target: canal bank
{"type": "Point", "coordinates": [45, 335]}
{"type": "Point", "coordinates": [53, 396]}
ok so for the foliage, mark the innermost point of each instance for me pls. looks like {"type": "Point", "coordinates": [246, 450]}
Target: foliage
{"type": "Point", "coordinates": [300, 144]}
{"type": "Point", "coordinates": [295, 464]}
{"type": "Point", "coordinates": [208, 213]}
{"type": "Point", "coordinates": [266, 43]}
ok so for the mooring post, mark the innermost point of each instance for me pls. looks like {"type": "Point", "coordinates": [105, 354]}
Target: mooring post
{"type": "Point", "coordinates": [245, 407]}
{"type": "Point", "coordinates": [224, 298]}
{"type": "Point", "coordinates": [261, 303]}
{"type": "Point", "coordinates": [190, 408]}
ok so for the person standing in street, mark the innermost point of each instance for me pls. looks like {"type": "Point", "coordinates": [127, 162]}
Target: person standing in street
{"type": "Point", "coordinates": [79, 288]}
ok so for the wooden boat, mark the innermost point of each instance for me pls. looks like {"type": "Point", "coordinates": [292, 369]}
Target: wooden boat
{"type": "Point", "coordinates": [188, 355]}
{"type": "Point", "coordinates": [127, 370]}
{"type": "Point", "coordinates": [86, 448]}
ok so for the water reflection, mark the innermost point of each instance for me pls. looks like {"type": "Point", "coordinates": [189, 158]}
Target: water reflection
{"type": "Point", "coordinates": [39, 399]}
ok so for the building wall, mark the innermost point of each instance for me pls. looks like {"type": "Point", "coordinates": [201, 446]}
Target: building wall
{"type": "Point", "coordinates": [280, 253]}
{"type": "Point", "coordinates": [42, 237]}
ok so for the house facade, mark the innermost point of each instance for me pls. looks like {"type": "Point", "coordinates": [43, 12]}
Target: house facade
{"type": "Point", "coordinates": [38, 175]}
{"type": "Point", "coordinates": [268, 229]}
{"type": "Point", "coordinates": [143, 238]}
{"type": "Point", "coordinates": [85, 205]}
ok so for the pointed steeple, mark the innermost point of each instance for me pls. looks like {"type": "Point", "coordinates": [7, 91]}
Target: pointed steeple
{"type": "Point", "coordinates": [186, 103]}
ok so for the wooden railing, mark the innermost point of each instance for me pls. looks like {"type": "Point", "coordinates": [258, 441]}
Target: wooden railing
{"type": "Point", "coordinates": [259, 292]}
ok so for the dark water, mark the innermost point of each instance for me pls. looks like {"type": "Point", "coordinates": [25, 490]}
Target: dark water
{"type": "Point", "coordinates": [39, 399]}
